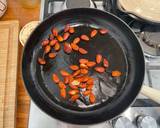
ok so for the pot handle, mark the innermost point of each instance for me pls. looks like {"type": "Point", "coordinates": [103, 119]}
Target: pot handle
{"type": "Point", "coordinates": [151, 93]}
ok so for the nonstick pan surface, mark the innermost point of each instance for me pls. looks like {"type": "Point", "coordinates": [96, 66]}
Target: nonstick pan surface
{"type": "Point", "coordinates": [120, 47]}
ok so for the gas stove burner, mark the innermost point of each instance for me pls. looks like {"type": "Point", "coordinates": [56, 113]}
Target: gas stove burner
{"type": "Point", "coordinates": [78, 3]}
{"type": "Point", "coordinates": [150, 36]}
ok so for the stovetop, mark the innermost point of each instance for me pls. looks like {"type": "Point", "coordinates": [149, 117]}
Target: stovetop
{"type": "Point", "coordinates": [143, 111]}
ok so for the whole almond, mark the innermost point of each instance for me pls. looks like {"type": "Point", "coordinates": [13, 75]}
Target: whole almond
{"type": "Point", "coordinates": [52, 55]}
{"type": "Point", "coordinates": [55, 78]}
{"type": "Point", "coordinates": [66, 36]}
{"type": "Point", "coordinates": [67, 48]}
{"type": "Point", "coordinates": [93, 33]}
{"type": "Point", "coordinates": [45, 42]}
{"type": "Point", "coordinates": [55, 31]}
{"type": "Point", "coordinates": [74, 67]}
{"type": "Point", "coordinates": [92, 98]}
{"type": "Point", "coordinates": [82, 51]}
{"type": "Point", "coordinates": [63, 93]}
{"type": "Point", "coordinates": [41, 61]}
{"type": "Point", "coordinates": [59, 38]}
{"type": "Point", "coordinates": [61, 85]}
{"type": "Point", "coordinates": [53, 42]}
{"type": "Point", "coordinates": [98, 58]}
{"type": "Point", "coordinates": [66, 29]}
{"type": "Point", "coordinates": [100, 69]}
{"type": "Point", "coordinates": [74, 97]}
{"type": "Point", "coordinates": [74, 46]}
{"type": "Point", "coordinates": [57, 47]}
{"type": "Point", "coordinates": [64, 73]}
{"type": "Point", "coordinates": [105, 63]}
{"type": "Point", "coordinates": [76, 40]}
{"type": "Point", "coordinates": [85, 37]}
{"type": "Point", "coordinates": [73, 92]}
{"type": "Point", "coordinates": [47, 49]}
{"type": "Point", "coordinates": [103, 31]}
{"type": "Point", "coordinates": [91, 64]}
{"type": "Point", "coordinates": [83, 61]}
{"type": "Point", "coordinates": [116, 73]}
{"type": "Point", "coordinates": [71, 30]}
{"type": "Point", "coordinates": [84, 71]}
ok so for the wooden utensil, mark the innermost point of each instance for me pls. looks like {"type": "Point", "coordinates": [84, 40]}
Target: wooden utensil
{"type": "Point", "coordinates": [151, 93]}
{"type": "Point", "coordinates": [8, 72]}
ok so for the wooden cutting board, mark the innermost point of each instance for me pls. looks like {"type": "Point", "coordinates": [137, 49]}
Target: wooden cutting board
{"type": "Point", "coordinates": [8, 72]}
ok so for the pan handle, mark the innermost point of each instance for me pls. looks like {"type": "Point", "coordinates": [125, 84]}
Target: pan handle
{"type": "Point", "coordinates": [151, 93]}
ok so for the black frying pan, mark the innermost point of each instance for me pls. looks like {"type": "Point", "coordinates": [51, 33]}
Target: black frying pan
{"type": "Point", "coordinates": [120, 46]}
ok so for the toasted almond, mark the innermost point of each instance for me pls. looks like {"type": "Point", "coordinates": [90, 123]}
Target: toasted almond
{"type": "Point", "coordinates": [98, 58]}
{"type": "Point", "coordinates": [64, 73]}
{"type": "Point", "coordinates": [83, 61]}
{"type": "Point", "coordinates": [82, 51]}
{"type": "Point", "coordinates": [63, 93]}
{"type": "Point", "coordinates": [116, 73]}
{"type": "Point", "coordinates": [74, 67]}
{"type": "Point", "coordinates": [73, 92]}
{"type": "Point", "coordinates": [55, 78]}
{"type": "Point", "coordinates": [41, 61]}
{"type": "Point", "coordinates": [52, 55]}
{"type": "Point", "coordinates": [99, 69]}
{"type": "Point", "coordinates": [75, 97]}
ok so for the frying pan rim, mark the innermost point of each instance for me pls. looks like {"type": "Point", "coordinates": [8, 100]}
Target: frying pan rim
{"type": "Point", "coordinates": [142, 55]}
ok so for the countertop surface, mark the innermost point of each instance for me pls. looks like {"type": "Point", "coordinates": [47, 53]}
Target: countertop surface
{"type": "Point", "coordinates": [16, 11]}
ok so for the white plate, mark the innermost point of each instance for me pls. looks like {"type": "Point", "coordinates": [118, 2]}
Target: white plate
{"type": "Point", "coordinates": [145, 9]}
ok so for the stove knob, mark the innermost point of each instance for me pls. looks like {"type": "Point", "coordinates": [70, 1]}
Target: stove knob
{"type": "Point", "coordinates": [146, 122]}
{"type": "Point", "coordinates": [122, 122]}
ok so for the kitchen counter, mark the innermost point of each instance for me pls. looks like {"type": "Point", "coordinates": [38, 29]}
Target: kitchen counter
{"type": "Point", "coordinates": [15, 11]}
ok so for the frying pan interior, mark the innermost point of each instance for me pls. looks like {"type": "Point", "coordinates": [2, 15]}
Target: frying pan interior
{"type": "Point", "coordinates": [113, 95]}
